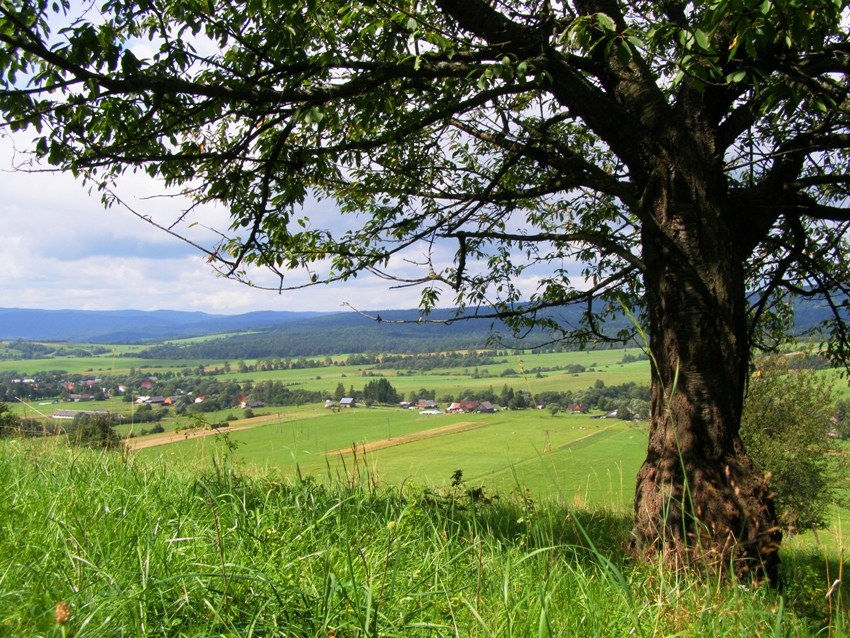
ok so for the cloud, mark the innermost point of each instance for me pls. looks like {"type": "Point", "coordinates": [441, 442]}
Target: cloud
{"type": "Point", "coordinates": [62, 249]}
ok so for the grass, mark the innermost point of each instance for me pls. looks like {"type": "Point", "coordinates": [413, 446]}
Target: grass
{"type": "Point", "coordinates": [136, 547]}
{"type": "Point", "coordinates": [580, 459]}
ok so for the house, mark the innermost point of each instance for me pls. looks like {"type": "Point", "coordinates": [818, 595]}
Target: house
{"type": "Point", "coordinates": [485, 407]}
{"type": "Point", "coordinates": [346, 402]}
{"type": "Point", "coordinates": [80, 397]}
{"type": "Point", "coordinates": [426, 404]}
{"type": "Point", "coordinates": [463, 406]}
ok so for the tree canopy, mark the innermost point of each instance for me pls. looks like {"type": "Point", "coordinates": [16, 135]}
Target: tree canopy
{"type": "Point", "coordinates": [683, 160]}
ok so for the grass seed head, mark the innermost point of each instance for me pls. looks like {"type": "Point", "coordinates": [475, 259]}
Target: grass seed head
{"type": "Point", "coordinates": [62, 613]}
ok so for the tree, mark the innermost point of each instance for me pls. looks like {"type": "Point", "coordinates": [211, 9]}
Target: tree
{"type": "Point", "coordinates": [10, 423]}
{"type": "Point", "coordinates": [94, 431]}
{"type": "Point", "coordinates": [686, 161]}
{"type": "Point", "coordinates": [380, 391]}
{"type": "Point", "coordinates": [786, 423]}
{"type": "Point", "coordinates": [842, 418]}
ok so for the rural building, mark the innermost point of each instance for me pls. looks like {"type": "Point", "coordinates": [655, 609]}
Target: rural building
{"type": "Point", "coordinates": [76, 398]}
{"type": "Point", "coordinates": [486, 407]}
{"type": "Point", "coordinates": [463, 406]}
{"type": "Point", "coordinates": [71, 414]}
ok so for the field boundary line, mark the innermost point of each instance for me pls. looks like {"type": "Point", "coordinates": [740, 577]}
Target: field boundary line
{"type": "Point", "coordinates": [413, 437]}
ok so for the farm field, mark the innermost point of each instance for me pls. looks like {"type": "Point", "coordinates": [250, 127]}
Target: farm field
{"type": "Point", "coordinates": [531, 372]}
{"type": "Point", "coordinates": [574, 458]}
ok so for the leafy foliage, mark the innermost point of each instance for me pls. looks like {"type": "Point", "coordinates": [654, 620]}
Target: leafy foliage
{"type": "Point", "coordinates": [786, 426]}
{"type": "Point", "coordinates": [94, 431]}
{"type": "Point", "coordinates": [10, 423]}
{"type": "Point", "coordinates": [514, 135]}
{"type": "Point", "coordinates": [380, 391]}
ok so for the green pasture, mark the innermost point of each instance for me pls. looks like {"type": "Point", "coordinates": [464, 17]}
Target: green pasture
{"type": "Point", "coordinates": [114, 361]}
{"type": "Point", "coordinates": [603, 364]}
{"type": "Point", "coordinates": [574, 458]}
{"type": "Point", "coordinates": [123, 546]}
{"type": "Point", "coordinates": [97, 365]}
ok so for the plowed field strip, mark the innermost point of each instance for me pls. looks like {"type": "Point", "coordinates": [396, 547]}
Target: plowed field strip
{"type": "Point", "coordinates": [422, 435]}
{"type": "Point", "coordinates": [172, 437]}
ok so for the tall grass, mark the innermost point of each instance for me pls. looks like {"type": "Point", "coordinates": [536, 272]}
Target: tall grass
{"type": "Point", "coordinates": [132, 548]}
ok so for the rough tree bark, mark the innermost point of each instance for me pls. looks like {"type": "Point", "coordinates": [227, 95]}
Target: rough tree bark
{"type": "Point", "coordinates": [699, 497]}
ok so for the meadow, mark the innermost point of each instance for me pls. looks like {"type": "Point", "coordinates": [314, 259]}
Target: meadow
{"type": "Point", "coordinates": [577, 458]}
{"type": "Point", "coordinates": [96, 545]}
{"type": "Point", "coordinates": [373, 521]}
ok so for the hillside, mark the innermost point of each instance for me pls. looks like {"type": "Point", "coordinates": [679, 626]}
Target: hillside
{"type": "Point", "coordinates": [131, 326]}
{"type": "Point", "coordinates": [293, 334]}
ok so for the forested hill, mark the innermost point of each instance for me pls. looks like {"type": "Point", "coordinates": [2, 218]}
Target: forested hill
{"type": "Point", "coordinates": [343, 333]}
{"type": "Point", "coordinates": [349, 332]}
{"type": "Point", "coordinates": [284, 334]}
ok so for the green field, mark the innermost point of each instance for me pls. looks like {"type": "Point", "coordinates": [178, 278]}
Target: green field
{"type": "Point", "coordinates": [575, 458]}
{"type": "Point", "coordinates": [306, 509]}
{"type": "Point", "coordinates": [96, 545]}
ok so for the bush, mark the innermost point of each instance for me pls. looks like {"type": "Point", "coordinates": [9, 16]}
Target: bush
{"type": "Point", "coordinates": [785, 428]}
{"type": "Point", "coordinates": [94, 431]}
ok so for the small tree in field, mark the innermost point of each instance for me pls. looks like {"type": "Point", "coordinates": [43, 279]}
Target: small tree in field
{"type": "Point", "coordinates": [686, 160]}
{"type": "Point", "coordinates": [786, 428]}
{"type": "Point", "coordinates": [842, 418]}
{"type": "Point", "coordinates": [95, 431]}
{"type": "Point", "coordinates": [10, 423]}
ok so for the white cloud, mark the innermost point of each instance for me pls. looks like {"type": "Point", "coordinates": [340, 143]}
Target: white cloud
{"type": "Point", "coordinates": [62, 249]}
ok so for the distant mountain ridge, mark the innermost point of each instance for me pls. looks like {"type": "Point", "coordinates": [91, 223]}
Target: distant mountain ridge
{"type": "Point", "coordinates": [133, 326]}
{"type": "Point", "coordinates": [283, 333]}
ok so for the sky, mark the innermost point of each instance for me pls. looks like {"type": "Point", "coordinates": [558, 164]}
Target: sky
{"type": "Point", "coordinates": [61, 249]}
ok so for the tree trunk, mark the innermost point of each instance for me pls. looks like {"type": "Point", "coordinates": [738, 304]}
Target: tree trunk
{"type": "Point", "coordinates": [699, 498]}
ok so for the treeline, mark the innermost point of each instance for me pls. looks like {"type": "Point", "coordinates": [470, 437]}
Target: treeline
{"type": "Point", "coordinates": [287, 343]}
{"type": "Point", "coordinates": [629, 400]}
{"type": "Point", "coordinates": [429, 361]}
{"type": "Point", "coordinates": [21, 350]}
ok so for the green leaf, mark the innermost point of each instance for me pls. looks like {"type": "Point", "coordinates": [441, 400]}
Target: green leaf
{"type": "Point", "coordinates": [606, 23]}
{"type": "Point", "coordinates": [736, 77]}
{"type": "Point", "coordinates": [623, 52]}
